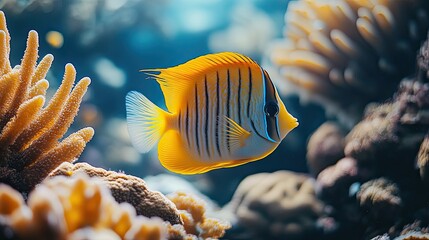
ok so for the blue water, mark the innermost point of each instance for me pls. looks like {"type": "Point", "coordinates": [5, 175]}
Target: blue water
{"type": "Point", "coordinates": [120, 37]}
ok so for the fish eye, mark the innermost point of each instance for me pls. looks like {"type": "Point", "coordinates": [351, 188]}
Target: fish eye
{"type": "Point", "coordinates": [271, 109]}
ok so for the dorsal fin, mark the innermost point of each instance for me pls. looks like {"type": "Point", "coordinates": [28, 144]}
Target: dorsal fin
{"type": "Point", "coordinates": [176, 81]}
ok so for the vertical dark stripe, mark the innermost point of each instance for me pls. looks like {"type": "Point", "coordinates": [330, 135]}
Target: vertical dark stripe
{"type": "Point", "coordinates": [228, 96]}
{"type": "Point", "coordinates": [250, 92]}
{"type": "Point", "coordinates": [187, 125]}
{"type": "Point", "coordinates": [217, 114]}
{"type": "Point", "coordinates": [206, 127]}
{"type": "Point", "coordinates": [180, 118]}
{"type": "Point", "coordinates": [239, 97]}
{"type": "Point", "coordinates": [197, 110]}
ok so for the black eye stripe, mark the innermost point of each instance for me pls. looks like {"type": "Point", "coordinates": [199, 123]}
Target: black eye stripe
{"type": "Point", "coordinates": [271, 109]}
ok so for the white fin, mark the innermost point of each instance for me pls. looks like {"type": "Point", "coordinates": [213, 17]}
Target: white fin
{"type": "Point", "coordinates": [146, 121]}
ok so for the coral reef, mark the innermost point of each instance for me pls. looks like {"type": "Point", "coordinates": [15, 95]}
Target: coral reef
{"type": "Point", "coordinates": [80, 207]}
{"type": "Point", "coordinates": [325, 147]}
{"type": "Point", "coordinates": [334, 181]}
{"type": "Point", "coordinates": [127, 188]}
{"type": "Point", "coordinates": [279, 205]}
{"type": "Point", "coordinates": [389, 136]}
{"type": "Point", "coordinates": [345, 54]}
{"type": "Point", "coordinates": [381, 203]}
{"type": "Point", "coordinates": [192, 210]}
{"type": "Point", "coordinates": [376, 187]}
{"type": "Point", "coordinates": [423, 160]}
{"type": "Point", "coordinates": [29, 147]}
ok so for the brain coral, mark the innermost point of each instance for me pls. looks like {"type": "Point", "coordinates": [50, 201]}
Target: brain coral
{"type": "Point", "coordinates": [279, 205]}
{"type": "Point", "coordinates": [346, 53]}
{"type": "Point", "coordinates": [29, 132]}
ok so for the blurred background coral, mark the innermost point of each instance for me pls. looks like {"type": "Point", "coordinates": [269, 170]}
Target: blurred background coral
{"type": "Point", "coordinates": [351, 72]}
{"type": "Point", "coordinates": [111, 40]}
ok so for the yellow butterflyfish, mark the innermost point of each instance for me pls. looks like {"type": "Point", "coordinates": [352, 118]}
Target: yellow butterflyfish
{"type": "Point", "coordinates": [223, 111]}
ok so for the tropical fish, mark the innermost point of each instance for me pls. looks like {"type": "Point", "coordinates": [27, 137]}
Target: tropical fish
{"type": "Point", "coordinates": [223, 111]}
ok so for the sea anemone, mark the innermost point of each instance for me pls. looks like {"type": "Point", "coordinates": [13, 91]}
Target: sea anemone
{"type": "Point", "coordinates": [29, 147]}
{"type": "Point", "coordinates": [347, 53]}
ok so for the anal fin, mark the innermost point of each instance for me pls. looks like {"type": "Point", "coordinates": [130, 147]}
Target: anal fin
{"type": "Point", "coordinates": [174, 156]}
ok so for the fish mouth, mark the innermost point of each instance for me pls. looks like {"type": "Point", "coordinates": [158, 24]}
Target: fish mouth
{"type": "Point", "coordinates": [293, 124]}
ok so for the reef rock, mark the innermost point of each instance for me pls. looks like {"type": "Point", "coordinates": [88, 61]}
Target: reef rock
{"type": "Point", "coordinates": [325, 147]}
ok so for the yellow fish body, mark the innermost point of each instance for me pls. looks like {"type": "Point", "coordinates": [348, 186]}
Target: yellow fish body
{"type": "Point", "coordinates": [223, 111]}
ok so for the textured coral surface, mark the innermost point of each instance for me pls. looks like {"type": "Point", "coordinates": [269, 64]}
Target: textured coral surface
{"type": "Point", "coordinates": [279, 205]}
{"type": "Point", "coordinates": [80, 207]}
{"type": "Point", "coordinates": [30, 131]}
{"type": "Point", "coordinates": [347, 53]}
{"type": "Point", "coordinates": [127, 188]}
{"type": "Point", "coordinates": [193, 212]}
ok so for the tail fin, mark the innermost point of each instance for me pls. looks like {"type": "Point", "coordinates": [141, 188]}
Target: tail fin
{"type": "Point", "coordinates": [146, 121]}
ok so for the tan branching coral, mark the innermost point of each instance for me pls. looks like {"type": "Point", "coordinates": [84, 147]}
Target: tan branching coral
{"type": "Point", "coordinates": [192, 210]}
{"type": "Point", "coordinates": [279, 205]}
{"type": "Point", "coordinates": [30, 132]}
{"type": "Point", "coordinates": [127, 188]}
{"type": "Point", "coordinates": [347, 53]}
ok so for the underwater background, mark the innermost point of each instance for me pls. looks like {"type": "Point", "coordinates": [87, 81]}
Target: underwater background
{"type": "Point", "coordinates": [110, 41]}
{"type": "Point", "coordinates": [354, 73]}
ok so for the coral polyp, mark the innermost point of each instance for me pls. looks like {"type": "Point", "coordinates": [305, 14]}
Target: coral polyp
{"type": "Point", "coordinates": [347, 53]}
{"type": "Point", "coordinates": [29, 131]}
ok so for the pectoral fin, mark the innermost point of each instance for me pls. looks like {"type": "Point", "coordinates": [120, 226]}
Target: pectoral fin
{"type": "Point", "coordinates": [235, 134]}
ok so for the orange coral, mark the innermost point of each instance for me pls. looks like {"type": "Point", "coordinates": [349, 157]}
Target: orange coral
{"type": "Point", "coordinates": [29, 147]}
{"type": "Point", "coordinates": [127, 188]}
{"type": "Point", "coordinates": [194, 217]}
{"type": "Point", "coordinates": [80, 207]}
{"type": "Point", "coordinates": [347, 53]}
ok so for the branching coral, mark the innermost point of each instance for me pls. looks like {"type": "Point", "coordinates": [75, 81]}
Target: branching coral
{"type": "Point", "coordinates": [346, 53]}
{"type": "Point", "coordinates": [80, 207]}
{"type": "Point", "coordinates": [29, 147]}
{"type": "Point", "coordinates": [127, 188]}
{"type": "Point", "coordinates": [279, 205]}
{"type": "Point", "coordinates": [74, 208]}
{"type": "Point", "coordinates": [192, 211]}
